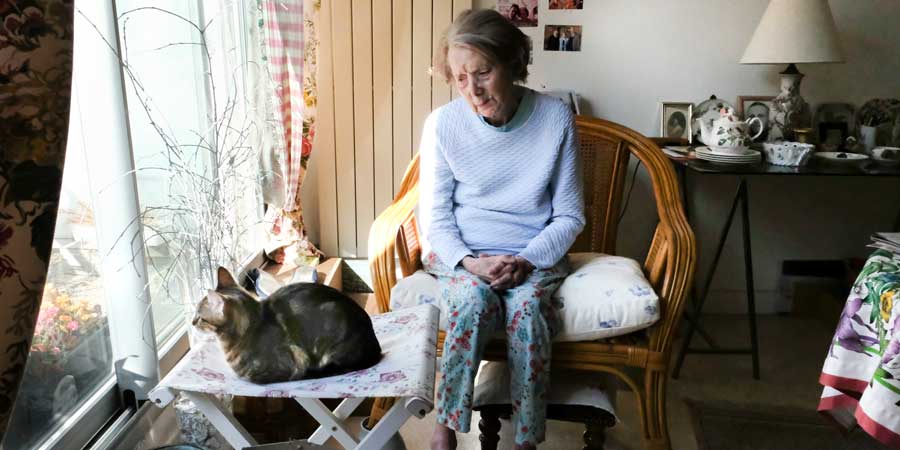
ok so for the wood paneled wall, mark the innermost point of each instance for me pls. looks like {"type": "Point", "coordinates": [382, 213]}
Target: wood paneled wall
{"type": "Point", "coordinates": [375, 92]}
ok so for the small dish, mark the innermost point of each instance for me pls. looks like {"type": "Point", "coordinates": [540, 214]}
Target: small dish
{"type": "Point", "coordinates": [886, 155]}
{"type": "Point", "coordinates": [841, 156]}
{"type": "Point", "coordinates": [711, 155]}
{"type": "Point", "coordinates": [727, 151]}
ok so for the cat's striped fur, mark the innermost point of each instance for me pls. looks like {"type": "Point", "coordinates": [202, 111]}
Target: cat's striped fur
{"type": "Point", "coordinates": [303, 330]}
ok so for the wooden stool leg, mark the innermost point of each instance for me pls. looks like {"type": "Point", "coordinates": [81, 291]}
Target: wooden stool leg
{"type": "Point", "coordinates": [490, 429]}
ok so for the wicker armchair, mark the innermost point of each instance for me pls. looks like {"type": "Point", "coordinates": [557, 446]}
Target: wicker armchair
{"type": "Point", "coordinates": [669, 264]}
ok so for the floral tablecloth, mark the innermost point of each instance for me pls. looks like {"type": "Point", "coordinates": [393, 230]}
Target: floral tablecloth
{"type": "Point", "coordinates": [862, 370]}
{"type": "Point", "coordinates": [408, 341]}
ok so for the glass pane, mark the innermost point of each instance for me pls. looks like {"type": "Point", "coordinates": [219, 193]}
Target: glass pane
{"type": "Point", "coordinates": [71, 354]}
{"type": "Point", "coordinates": [175, 104]}
{"type": "Point", "coordinates": [189, 131]}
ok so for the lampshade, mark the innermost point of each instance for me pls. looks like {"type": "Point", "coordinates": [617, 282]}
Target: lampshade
{"type": "Point", "coordinates": [795, 31]}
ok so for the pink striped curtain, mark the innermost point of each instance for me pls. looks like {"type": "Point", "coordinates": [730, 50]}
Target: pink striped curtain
{"type": "Point", "coordinates": [290, 43]}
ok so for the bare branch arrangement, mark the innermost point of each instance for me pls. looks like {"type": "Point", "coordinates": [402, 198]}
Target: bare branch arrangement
{"type": "Point", "coordinates": [209, 174]}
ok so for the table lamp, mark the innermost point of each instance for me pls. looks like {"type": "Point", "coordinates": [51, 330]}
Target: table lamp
{"type": "Point", "coordinates": [793, 32]}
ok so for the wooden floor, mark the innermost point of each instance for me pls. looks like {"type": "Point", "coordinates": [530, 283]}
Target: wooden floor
{"type": "Point", "coordinates": [792, 351]}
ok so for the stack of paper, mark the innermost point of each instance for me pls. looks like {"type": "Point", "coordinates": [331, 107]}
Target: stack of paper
{"type": "Point", "coordinates": [677, 151]}
{"type": "Point", "coordinates": [887, 241]}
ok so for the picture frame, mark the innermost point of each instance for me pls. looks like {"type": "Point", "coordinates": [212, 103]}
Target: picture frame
{"type": "Point", "coordinates": [562, 38]}
{"type": "Point", "coordinates": [565, 4]}
{"type": "Point", "coordinates": [675, 120]}
{"type": "Point", "coordinates": [836, 112]}
{"type": "Point", "coordinates": [832, 136]}
{"type": "Point", "coordinates": [522, 13]}
{"type": "Point", "coordinates": [762, 106]}
{"type": "Point", "coordinates": [831, 118]}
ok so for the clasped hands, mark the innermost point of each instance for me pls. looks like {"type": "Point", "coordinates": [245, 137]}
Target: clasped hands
{"type": "Point", "coordinates": [502, 271]}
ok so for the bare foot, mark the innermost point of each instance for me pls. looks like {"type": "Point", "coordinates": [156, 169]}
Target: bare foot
{"type": "Point", "coordinates": [443, 438]}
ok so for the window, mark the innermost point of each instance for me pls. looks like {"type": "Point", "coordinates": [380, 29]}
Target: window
{"type": "Point", "coordinates": [71, 354]}
{"type": "Point", "coordinates": [170, 100]}
{"type": "Point", "coordinates": [70, 378]}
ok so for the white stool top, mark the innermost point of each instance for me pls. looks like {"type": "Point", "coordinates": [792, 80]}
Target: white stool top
{"type": "Point", "coordinates": [408, 340]}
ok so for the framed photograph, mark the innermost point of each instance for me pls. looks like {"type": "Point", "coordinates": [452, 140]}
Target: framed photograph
{"type": "Point", "coordinates": [523, 13]}
{"type": "Point", "coordinates": [675, 121]}
{"type": "Point", "coordinates": [562, 38]}
{"type": "Point", "coordinates": [760, 106]}
{"type": "Point", "coordinates": [832, 135]}
{"type": "Point", "coordinates": [833, 123]}
{"type": "Point", "coordinates": [566, 4]}
{"type": "Point", "coordinates": [835, 112]}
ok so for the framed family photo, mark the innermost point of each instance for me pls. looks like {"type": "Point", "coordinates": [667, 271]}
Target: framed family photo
{"type": "Point", "coordinates": [761, 106]}
{"type": "Point", "coordinates": [675, 121]}
{"type": "Point", "coordinates": [562, 38]}
{"type": "Point", "coordinates": [523, 13]}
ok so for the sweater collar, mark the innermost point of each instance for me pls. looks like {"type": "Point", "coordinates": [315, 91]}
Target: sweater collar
{"type": "Point", "coordinates": [526, 106]}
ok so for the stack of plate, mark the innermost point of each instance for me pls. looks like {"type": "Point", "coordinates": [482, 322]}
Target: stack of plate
{"type": "Point", "coordinates": [731, 156]}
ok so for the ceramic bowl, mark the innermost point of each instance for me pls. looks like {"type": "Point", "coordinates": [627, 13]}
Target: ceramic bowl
{"type": "Point", "coordinates": [787, 153]}
{"type": "Point", "coordinates": [887, 155]}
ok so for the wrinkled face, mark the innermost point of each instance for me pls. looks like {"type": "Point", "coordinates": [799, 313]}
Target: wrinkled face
{"type": "Point", "coordinates": [487, 87]}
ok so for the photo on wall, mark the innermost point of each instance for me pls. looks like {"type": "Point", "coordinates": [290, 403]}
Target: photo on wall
{"type": "Point", "coordinates": [566, 4]}
{"type": "Point", "coordinates": [562, 38]}
{"type": "Point", "coordinates": [523, 13]}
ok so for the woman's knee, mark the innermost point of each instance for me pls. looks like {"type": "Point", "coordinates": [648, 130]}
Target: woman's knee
{"type": "Point", "coordinates": [525, 318]}
{"type": "Point", "coordinates": [472, 299]}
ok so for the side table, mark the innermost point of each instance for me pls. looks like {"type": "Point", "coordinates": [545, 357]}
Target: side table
{"type": "Point", "coordinates": [744, 172]}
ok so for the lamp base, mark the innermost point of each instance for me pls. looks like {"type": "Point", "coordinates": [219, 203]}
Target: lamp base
{"type": "Point", "coordinates": [791, 111]}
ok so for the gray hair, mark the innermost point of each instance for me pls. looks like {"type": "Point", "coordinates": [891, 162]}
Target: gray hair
{"type": "Point", "coordinates": [487, 32]}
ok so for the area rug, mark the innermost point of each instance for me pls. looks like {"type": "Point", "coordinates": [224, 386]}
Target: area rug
{"type": "Point", "coordinates": [729, 426]}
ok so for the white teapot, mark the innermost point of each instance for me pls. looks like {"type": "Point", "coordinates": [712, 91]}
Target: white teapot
{"type": "Point", "coordinates": [728, 133]}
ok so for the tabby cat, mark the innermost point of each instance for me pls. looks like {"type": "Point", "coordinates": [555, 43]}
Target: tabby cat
{"type": "Point", "coordinates": [302, 330]}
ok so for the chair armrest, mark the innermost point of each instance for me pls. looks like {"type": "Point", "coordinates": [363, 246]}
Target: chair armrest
{"type": "Point", "coordinates": [386, 237]}
{"type": "Point", "coordinates": [672, 258]}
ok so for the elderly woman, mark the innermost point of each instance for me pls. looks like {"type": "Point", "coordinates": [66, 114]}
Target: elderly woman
{"type": "Point", "coordinates": [501, 203]}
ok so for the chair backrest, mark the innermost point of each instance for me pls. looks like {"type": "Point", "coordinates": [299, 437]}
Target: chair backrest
{"type": "Point", "coordinates": [605, 162]}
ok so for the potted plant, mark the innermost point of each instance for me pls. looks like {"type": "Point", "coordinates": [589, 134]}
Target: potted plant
{"type": "Point", "coordinates": [69, 354]}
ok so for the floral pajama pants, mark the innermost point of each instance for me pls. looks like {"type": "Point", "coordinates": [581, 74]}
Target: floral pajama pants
{"type": "Point", "coordinates": [476, 312]}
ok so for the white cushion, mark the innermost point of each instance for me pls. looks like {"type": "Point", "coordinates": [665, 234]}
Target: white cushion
{"type": "Point", "coordinates": [604, 296]}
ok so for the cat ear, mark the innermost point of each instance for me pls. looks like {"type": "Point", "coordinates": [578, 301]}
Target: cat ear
{"type": "Point", "coordinates": [225, 278]}
{"type": "Point", "coordinates": [212, 309]}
